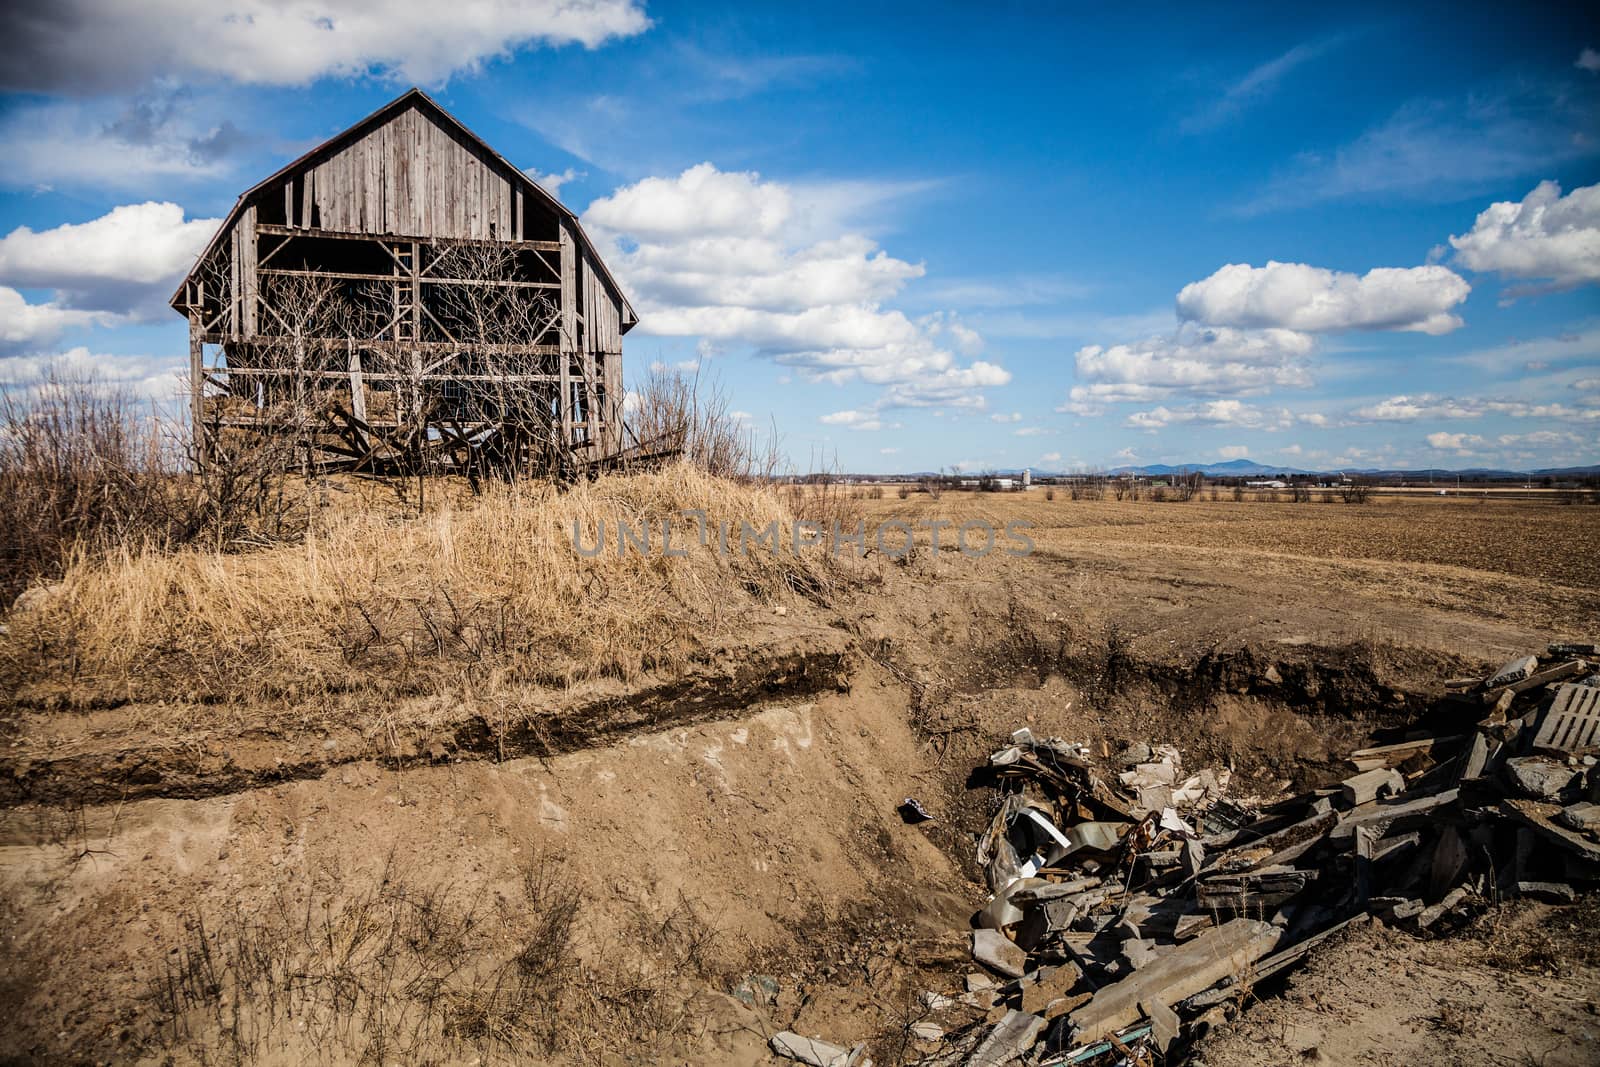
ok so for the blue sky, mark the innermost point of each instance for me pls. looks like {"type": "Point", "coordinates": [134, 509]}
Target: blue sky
{"type": "Point", "coordinates": [913, 237]}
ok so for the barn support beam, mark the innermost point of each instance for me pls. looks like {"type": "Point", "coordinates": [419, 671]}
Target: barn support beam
{"type": "Point", "coordinates": [197, 390]}
{"type": "Point", "coordinates": [569, 331]}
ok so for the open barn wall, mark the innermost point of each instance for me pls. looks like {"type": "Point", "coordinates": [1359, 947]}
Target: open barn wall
{"type": "Point", "coordinates": [402, 292]}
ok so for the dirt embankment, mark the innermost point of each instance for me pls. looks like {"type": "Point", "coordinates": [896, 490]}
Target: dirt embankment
{"type": "Point", "coordinates": [669, 868]}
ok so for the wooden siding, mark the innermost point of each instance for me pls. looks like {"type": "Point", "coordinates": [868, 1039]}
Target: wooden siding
{"type": "Point", "coordinates": [412, 176]}
{"type": "Point", "coordinates": [602, 311]}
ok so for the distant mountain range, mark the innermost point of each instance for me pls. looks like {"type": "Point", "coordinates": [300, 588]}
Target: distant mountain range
{"type": "Point", "coordinates": [1249, 468]}
{"type": "Point", "coordinates": [1233, 468]}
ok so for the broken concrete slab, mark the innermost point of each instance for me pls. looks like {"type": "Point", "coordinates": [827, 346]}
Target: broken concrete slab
{"type": "Point", "coordinates": [1253, 892]}
{"type": "Point", "coordinates": [1164, 1024]}
{"type": "Point", "coordinates": [1539, 777]}
{"type": "Point", "coordinates": [1370, 785]}
{"type": "Point", "coordinates": [1514, 671]}
{"type": "Point", "coordinates": [1387, 814]}
{"type": "Point", "coordinates": [1367, 759]}
{"type": "Point", "coordinates": [809, 1050]}
{"type": "Point", "coordinates": [997, 952]}
{"type": "Point", "coordinates": [1477, 757]}
{"type": "Point", "coordinates": [1553, 892]}
{"type": "Point", "coordinates": [1039, 892]}
{"type": "Point", "coordinates": [1066, 1005]}
{"type": "Point", "coordinates": [1557, 673]}
{"type": "Point", "coordinates": [1050, 984]}
{"type": "Point", "coordinates": [1404, 908]}
{"type": "Point", "coordinates": [1012, 1036]}
{"type": "Point", "coordinates": [1226, 950]}
{"type": "Point", "coordinates": [1138, 952]}
{"type": "Point", "coordinates": [1386, 847]}
{"type": "Point", "coordinates": [1540, 818]}
{"type": "Point", "coordinates": [1583, 817]}
{"type": "Point", "coordinates": [1433, 913]}
{"type": "Point", "coordinates": [1148, 774]}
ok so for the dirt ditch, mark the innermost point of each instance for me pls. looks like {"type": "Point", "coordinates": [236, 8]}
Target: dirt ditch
{"type": "Point", "coordinates": [675, 873]}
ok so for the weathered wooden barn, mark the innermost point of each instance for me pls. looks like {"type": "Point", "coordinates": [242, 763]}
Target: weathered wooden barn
{"type": "Point", "coordinates": [402, 298]}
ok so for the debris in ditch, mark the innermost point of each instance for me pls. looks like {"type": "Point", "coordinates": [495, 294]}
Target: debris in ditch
{"type": "Point", "coordinates": [912, 811]}
{"type": "Point", "coordinates": [1133, 900]}
{"type": "Point", "coordinates": [809, 1050]}
{"type": "Point", "coordinates": [758, 989]}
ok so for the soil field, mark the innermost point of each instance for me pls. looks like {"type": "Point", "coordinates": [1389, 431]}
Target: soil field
{"type": "Point", "coordinates": [672, 865]}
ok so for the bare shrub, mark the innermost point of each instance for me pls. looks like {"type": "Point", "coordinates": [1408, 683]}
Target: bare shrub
{"type": "Point", "coordinates": [902, 492]}
{"type": "Point", "coordinates": [675, 412]}
{"type": "Point", "coordinates": [1355, 492]}
{"type": "Point", "coordinates": [80, 466]}
{"type": "Point", "coordinates": [1050, 494]}
{"type": "Point", "coordinates": [1186, 485]}
{"type": "Point", "coordinates": [1300, 494]}
{"type": "Point", "coordinates": [86, 468]}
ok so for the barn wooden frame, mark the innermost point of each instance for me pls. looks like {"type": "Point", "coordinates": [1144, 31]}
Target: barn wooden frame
{"type": "Point", "coordinates": [395, 215]}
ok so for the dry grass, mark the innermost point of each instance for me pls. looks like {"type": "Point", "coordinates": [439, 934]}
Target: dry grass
{"type": "Point", "coordinates": [411, 970]}
{"type": "Point", "coordinates": [486, 593]}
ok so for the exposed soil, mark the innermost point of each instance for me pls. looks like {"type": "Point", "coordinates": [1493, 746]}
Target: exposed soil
{"type": "Point", "coordinates": [738, 818]}
{"type": "Point", "coordinates": [1522, 986]}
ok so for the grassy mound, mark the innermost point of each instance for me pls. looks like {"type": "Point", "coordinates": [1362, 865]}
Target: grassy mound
{"type": "Point", "coordinates": [489, 592]}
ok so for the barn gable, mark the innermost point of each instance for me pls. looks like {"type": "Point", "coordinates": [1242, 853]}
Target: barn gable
{"type": "Point", "coordinates": [413, 295]}
{"type": "Point", "coordinates": [412, 169]}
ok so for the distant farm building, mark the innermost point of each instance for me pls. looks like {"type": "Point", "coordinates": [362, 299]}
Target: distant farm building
{"type": "Point", "coordinates": [403, 298]}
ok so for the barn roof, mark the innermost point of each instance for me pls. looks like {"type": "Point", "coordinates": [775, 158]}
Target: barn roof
{"type": "Point", "coordinates": [413, 97]}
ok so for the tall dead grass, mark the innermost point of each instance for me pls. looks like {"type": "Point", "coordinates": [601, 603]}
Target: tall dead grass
{"type": "Point", "coordinates": [87, 467]}
{"type": "Point", "coordinates": [412, 969]}
{"type": "Point", "coordinates": [490, 592]}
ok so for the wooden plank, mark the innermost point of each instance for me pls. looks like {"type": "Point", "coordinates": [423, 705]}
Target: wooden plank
{"type": "Point", "coordinates": [233, 281]}
{"type": "Point", "coordinates": [347, 235]}
{"type": "Point", "coordinates": [247, 271]}
{"type": "Point", "coordinates": [568, 330]}
{"type": "Point", "coordinates": [196, 390]}
{"type": "Point", "coordinates": [1224, 952]}
{"type": "Point", "coordinates": [425, 280]}
{"type": "Point", "coordinates": [379, 345]}
{"type": "Point", "coordinates": [1560, 672]}
{"type": "Point", "coordinates": [358, 388]}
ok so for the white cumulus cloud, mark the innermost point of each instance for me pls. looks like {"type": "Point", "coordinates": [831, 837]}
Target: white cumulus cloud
{"type": "Point", "coordinates": [1545, 236]}
{"type": "Point", "coordinates": [1461, 443]}
{"type": "Point", "coordinates": [26, 327]}
{"type": "Point", "coordinates": [1219, 361]}
{"type": "Point", "coordinates": [127, 260]}
{"type": "Point", "coordinates": [109, 44]}
{"type": "Point", "coordinates": [1212, 413]}
{"type": "Point", "coordinates": [733, 258]}
{"type": "Point", "coordinates": [1297, 296]}
{"type": "Point", "coordinates": [1430, 406]}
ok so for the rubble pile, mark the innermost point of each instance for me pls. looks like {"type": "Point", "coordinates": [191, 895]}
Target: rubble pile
{"type": "Point", "coordinates": [1134, 902]}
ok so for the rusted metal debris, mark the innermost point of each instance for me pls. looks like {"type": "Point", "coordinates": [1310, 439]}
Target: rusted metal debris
{"type": "Point", "coordinates": [1132, 897]}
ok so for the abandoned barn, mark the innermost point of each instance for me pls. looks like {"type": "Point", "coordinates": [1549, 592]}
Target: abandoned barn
{"type": "Point", "coordinates": [402, 298]}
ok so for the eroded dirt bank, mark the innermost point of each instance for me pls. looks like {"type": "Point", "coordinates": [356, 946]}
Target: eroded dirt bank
{"type": "Point", "coordinates": [620, 881]}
